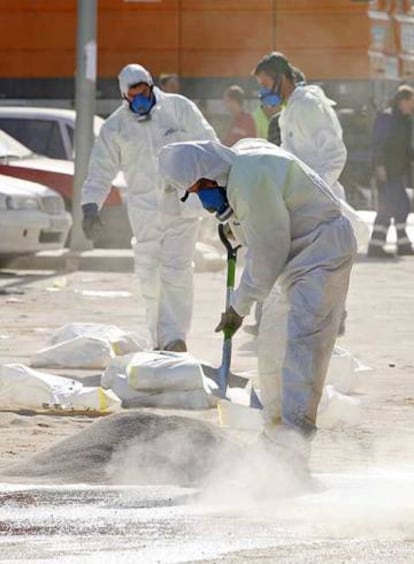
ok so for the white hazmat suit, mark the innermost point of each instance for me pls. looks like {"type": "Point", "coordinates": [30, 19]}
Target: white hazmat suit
{"type": "Point", "coordinates": [165, 230]}
{"type": "Point", "coordinates": [310, 129]}
{"type": "Point", "coordinates": [296, 236]}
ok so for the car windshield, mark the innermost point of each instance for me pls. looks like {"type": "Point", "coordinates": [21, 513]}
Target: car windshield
{"type": "Point", "coordinates": [9, 147]}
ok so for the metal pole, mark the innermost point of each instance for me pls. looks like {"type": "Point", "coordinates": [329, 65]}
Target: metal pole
{"type": "Point", "coordinates": [85, 110]}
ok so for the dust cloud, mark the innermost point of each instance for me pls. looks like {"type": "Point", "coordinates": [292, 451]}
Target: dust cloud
{"type": "Point", "coordinates": [249, 480]}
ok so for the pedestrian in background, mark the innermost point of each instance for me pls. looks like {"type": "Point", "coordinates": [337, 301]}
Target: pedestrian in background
{"type": "Point", "coordinates": [392, 157]}
{"type": "Point", "coordinates": [165, 231]}
{"type": "Point", "coordinates": [242, 124]}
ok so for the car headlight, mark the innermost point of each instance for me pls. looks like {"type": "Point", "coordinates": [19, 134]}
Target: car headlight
{"type": "Point", "coordinates": [53, 204]}
{"type": "Point", "coordinates": [22, 203]}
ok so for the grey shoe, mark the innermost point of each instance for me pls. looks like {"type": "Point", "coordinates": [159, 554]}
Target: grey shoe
{"type": "Point", "coordinates": [405, 250]}
{"type": "Point", "coordinates": [378, 252]}
{"type": "Point", "coordinates": [178, 345]}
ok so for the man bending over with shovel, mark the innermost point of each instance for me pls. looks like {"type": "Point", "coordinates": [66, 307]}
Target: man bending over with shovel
{"type": "Point", "coordinates": [296, 236]}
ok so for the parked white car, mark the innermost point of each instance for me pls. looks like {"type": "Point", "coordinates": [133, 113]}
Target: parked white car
{"type": "Point", "coordinates": [32, 217]}
{"type": "Point", "coordinates": [18, 161]}
{"type": "Point", "coordinates": [45, 131]}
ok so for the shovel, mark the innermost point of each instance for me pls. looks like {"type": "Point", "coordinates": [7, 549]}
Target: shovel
{"type": "Point", "coordinates": [223, 374]}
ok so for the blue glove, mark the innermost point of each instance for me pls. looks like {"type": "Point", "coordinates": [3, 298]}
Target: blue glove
{"type": "Point", "coordinates": [91, 224]}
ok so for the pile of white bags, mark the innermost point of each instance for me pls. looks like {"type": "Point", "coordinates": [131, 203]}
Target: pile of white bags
{"type": "Point", "coordinates": [22, 387]}
{"type": "Point", "coordinates": [159, 379]}
{"type": "Point", "coordinates": [85, 345]}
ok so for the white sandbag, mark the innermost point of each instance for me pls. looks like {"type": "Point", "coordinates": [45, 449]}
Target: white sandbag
{"type": "Point", "coordinates": [80, 352]}
{"type": "Point", "coordinates": [121, 342]}
{"type": "Point", "coordinates": [237, 416]}
{"type": "Point", "coordinates": [344, 371]}
{"type": "Point", "coordinates": [159, 379]}
{"type": "Point", "coordinates": [158, 371]}
{"type": "Point", "coordinates": [22, 387]}
{"type": "Point", "coordinates": [338, 409]}
{"type": "Point", "coordinates": [192, 399]}
{"type": "Point", "coordinates": [95, 398]}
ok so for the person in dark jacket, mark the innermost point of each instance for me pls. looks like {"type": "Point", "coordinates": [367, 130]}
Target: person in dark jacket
{"type": "Point", "coordinates": [392, 156]}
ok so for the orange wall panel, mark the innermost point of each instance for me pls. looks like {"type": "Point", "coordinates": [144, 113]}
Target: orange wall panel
{"type": "Point", "coordinates": [111, 62]}
{"type": "Point", "coordinates": [322, 31]}
{"type": "Point", "coordinates": [218, 63]}
{"type": "Point", "coordinates": [320, 6]}
{"type": "Point", "coordinates": [25, 6]}
{"type": "Point", "coordinates": [235, 5]}
{"type": "Point", "coordinates": [123, 31]}
{"type": "Point", "coordinates": [37, 64]}
{"type": "Point", "coordinates": [324, 64]}
{"type": "Point", "coordinates": [211, 31]}
{"type": "Point", "coordinates": [37, 31]}
{"type": "Point", "coordinates": [133, 7]}
{"type": "Point", "coordinates": [193, 37]}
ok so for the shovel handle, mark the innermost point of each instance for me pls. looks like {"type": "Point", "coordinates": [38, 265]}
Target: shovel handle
{"type": "Point", "coordinates": [231, 261]}
{"type": "Point", "coordinates": [231, 251]}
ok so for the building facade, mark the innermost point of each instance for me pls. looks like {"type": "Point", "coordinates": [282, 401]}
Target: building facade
{"type": "Point", "coordinates": [209, 43]}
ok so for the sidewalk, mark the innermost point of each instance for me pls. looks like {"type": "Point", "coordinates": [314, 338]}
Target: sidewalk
{"type": "Point", "coordinates": [96, 260]}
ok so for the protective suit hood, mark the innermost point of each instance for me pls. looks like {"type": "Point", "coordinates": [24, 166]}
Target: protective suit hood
{"type": "Point", "coordinates": [132, 74]}
{"type": "Point", "coordinates": [182, 164]}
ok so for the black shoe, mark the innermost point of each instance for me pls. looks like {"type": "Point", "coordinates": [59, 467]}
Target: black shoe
{"type": "Point", "coordinates": [378, 252]}
{"type": "Point", "coordinates": [405, 250]}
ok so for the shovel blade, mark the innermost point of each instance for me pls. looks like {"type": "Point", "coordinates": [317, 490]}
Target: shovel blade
{"type": "Point", "coordinates": [223, 372]}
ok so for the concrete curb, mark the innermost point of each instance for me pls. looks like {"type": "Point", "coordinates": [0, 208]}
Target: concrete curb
{"type": "Point", "coordinates": [103, 260]}
{"type": "Point", "coordinates": [100, 260]}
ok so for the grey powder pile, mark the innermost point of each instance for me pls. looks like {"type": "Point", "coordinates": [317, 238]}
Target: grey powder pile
{"type": "Point", "coordinates": [129, 448]}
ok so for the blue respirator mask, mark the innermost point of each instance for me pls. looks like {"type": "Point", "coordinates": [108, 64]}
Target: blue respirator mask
{"type": "Point", "coordinates": [214, 200]}
{"type": "Point", "coordinates": [142, 105]}
{"type": "Point", "coordinates": [270, 96]}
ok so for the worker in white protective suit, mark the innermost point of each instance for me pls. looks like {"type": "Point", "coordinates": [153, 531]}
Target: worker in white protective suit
{"type": "Point", "coordinates": [309, 129]}
{"type": "Point", "coordinates": [164, 230]}
{"type": "Point", "coordinates": [309, 126]}
{"type": "Point", "coordinates": [296, 236]}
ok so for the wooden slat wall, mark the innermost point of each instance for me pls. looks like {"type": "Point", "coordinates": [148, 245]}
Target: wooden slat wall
{"type": "Point", "coordinates": [197, 38]}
